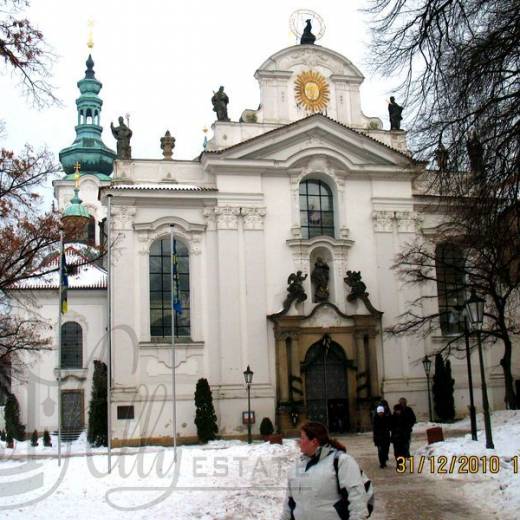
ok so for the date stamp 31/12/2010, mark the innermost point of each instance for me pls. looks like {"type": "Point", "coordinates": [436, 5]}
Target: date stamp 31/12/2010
{"type": "Point", "coordinates": [455, 464]}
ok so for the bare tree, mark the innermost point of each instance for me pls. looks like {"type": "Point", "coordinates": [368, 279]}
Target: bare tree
{"type": "Point", "coordinates": [459, 61]}
{"type": "Point", "coordinates": [25, 53]}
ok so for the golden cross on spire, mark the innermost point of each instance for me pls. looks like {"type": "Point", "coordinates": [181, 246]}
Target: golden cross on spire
{"type": "Point", "coordinates": [90, 41]}
{"type": "Point", "coordinates": [77, 167]}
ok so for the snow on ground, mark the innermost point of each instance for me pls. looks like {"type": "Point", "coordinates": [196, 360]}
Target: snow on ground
{"type": "Point", "coordinates": [223, 480]}
{"type": "Point", "coordinates": [496, 487]}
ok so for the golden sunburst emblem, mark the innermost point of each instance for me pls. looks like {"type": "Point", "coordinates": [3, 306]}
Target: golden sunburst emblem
{"type": "Point", "coordinates": [312, 91]}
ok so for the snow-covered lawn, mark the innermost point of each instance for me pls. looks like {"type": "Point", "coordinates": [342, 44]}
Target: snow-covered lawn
{"type": "Point", "coordinates": [496, 482]}
{"type": "Point", "coordinates": [223, 480]}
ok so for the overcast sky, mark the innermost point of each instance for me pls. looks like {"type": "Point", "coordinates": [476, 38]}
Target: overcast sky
{"type": "Point", "coordinates": [160, 61]}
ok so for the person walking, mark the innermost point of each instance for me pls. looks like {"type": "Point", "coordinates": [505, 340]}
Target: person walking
{"type": "Point", "coordinates": [410, 420]}
{"type": "Point", "coordinates": [400, 436]}
{"type": "Point", "coordinates": [326, 483]}
{"type": "Point", "coordinates": [381, 429]}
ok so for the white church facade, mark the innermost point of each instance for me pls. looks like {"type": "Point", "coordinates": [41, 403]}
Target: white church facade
{"type": "Point", "coordinates": [307, 183]}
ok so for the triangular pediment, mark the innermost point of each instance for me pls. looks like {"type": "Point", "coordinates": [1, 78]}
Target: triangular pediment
{"type": "Point", "coordinates": [292, 144]}
{"type": "Point", "coordinates": [327, 316]}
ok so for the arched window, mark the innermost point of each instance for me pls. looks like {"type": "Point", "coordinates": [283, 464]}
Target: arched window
{"type": "Point", "coordinates": [449, 263]}
{"type": "Point", "coordinates": [316, 209]}
{"type": "Point", "coordinates": [160, 289]}
{"type": "Point", "coordinates": [71, 345]}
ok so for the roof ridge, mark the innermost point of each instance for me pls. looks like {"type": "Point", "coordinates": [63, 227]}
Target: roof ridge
{"type": "Point", "coordinates": [358, 131]}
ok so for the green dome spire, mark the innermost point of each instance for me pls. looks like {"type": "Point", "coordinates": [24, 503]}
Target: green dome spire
{"type": "Point", "coordinates": [88, 148]}
{"type": "Point", "coordinates": [76, 208]}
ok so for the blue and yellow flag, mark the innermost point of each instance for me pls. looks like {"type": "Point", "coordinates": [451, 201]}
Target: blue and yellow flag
{"type": "Point", "coordinates": [176, 300]}
{"type": "Point", "coordinates": [64, 284]}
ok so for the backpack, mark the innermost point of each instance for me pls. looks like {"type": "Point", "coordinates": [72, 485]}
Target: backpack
{"type": "Point", "coordinates": [369, 488]}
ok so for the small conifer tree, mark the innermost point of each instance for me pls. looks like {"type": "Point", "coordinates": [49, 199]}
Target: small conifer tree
{"type": "Point", "coordinates": [205, 417]}
{"type": "Point", "coordinates": [438, 386]}
{"type": "Point", "coordinates": [443, 387]}
{"type": "Point", "coordinates": [449, 406]}
{"type": "Point", "coordinates": [13, 425]}
{"type": "Point", "coordinates": [34, 438]}
{"type": "Point", "coordinates": [97, 414]}
{"type": "Point", "coordinates": [266, 427]}
{"type": "Point", "coordinates": [47, 439]}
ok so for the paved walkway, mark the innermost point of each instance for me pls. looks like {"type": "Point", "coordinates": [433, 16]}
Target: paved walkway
{"type": "Point", "coordinates": [411, 496]}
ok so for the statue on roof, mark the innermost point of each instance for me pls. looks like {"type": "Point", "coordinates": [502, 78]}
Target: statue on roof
{"type": "Point", "coordinates": [220, 102]}
{"type": "Point", "coordinates": [122, 134]}
{"type": "Point", "coordinates": [167, 145]}
{"type": "Point", "coordinates": [475, 153]}
{"type": "Point", "coordinates": [441, 157]}
{"type": "Point", "coordinates": [394, 113]}
{"type": "Point", "coordinates": [307, 36]}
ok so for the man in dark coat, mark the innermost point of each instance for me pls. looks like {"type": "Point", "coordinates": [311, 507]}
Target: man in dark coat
{"type": "Point", "coordinates": [400, 436]}
{"type": "Point", "coordinates": [409, 418]}
{"type": "Point", "coordinates": [382, 435]}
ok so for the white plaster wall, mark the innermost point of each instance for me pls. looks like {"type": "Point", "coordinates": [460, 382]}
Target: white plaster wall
{"type": "Point", "coordinates": [37, 390]}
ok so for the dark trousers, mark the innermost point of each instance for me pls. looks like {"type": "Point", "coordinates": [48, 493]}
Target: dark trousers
{"type": "Point", "coordinates": [382, 452]}
{"type": "Point", "coordinates": [401, 449]}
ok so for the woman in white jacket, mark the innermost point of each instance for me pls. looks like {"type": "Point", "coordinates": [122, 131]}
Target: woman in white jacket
{"type": "Point", "coordinates": [326, 483]}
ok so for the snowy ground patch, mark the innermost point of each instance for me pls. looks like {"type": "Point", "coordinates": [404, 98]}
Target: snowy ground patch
{"type": "Point", "coordinates": [222, 480]}
{"type": "Point", "coordinates": [494, 473]}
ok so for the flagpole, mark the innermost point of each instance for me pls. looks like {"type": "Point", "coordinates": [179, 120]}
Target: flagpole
{"type": "Point", "coordinates": [174, 399]}
{"type": "Point", "coordinates": [60, 304]}
{"type": "Point", "coordinates": [109, 325]}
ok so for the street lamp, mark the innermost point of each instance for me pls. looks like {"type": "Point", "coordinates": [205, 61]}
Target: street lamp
{"type": "Point", "coordinates": [475, 309]}
{"type": "Point", "coordinates": [427, 364]}
{"type": "Point", "coordinates": [462, 317]}
{"type": "Point", "coordinates": [248, 376]}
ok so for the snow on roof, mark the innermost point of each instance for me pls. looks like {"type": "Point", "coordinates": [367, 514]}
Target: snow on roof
{"type": "Point", "coordinates": [83, 275]}
{"type": "Point", "coordinates": [159, 186]}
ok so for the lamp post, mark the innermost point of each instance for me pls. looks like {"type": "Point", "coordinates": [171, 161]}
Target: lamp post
{"type": "Point", "coordinates": [427, 364]}
{"type": "Point", "coordinates": [248, 376]}
{"type": "Point", "coordinates": [463, 320]}
{"type": "Point", "coordinates": [475, 310]}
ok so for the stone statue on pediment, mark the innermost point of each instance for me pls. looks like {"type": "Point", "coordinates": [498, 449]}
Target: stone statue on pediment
{"type": "Point", "coordinates": [395, 114]}
{"type": "Point", "coordinates": [220, 102]}
{"type": "Point", "coordinates": [358, 289]}
{"type": "Point", "coordinates": [307, 36]}
{"type": "Point", "coordinates": [122, 134]}
{"type": "Point", "coordinates": [295, 290]}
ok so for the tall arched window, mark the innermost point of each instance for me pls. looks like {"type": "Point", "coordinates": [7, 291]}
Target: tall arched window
{"type": "Point", "coordinates": [449, 263]}
{"type": "Point", "coordinates": [160, 289]}
{"type": "Point", "coordinates": [71, 345]}
{"type": "Point", "coordinates": [316, 209]}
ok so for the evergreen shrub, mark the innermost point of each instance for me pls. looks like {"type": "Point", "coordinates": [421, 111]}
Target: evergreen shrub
{"type": "Point", "coordinates": [205, 417]}
{"type": "Point", "coordinates": [47, 439]}
{"type": "Point", "coordinates": [443, 387]}
{"type": "Point", "coordinates": [266, 427]}
{"type": "Point", "coordinates": [97, 413]}
{"type": "Point", "coordinates": [13, 426]}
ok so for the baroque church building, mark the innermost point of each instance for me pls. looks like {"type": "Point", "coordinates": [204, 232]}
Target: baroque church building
{"type": "Point", "coordinates": [286, 227]}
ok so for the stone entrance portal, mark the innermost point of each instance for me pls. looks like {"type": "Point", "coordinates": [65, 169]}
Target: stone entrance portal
{"type": "Point", "coordinates": [327, 368]}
